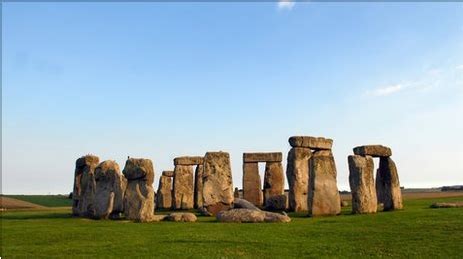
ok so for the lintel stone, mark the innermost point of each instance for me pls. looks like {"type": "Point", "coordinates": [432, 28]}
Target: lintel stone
{"type": "Point", "coordinates": [262, 157]}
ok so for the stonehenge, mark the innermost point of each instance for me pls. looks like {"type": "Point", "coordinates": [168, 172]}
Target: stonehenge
{"type": "Point", "coordinates": [273, 178]}
{"type": "Point", "coordinates": [164, 193]}
{"type": "Point", "coordinates": [366, 193]}
{"type": "Point", "coordinates": [205, 183]}
{"type": "Point", "coordinates": [110, 190]}
{"type": "Point", "coordinates": [187, 186]}
{"type": "Point", "coordinates": [84, 186]}
{"type": "Point", "coordinates": [139, 195]}
{"type": "Point", "coordinates": [217, 182]}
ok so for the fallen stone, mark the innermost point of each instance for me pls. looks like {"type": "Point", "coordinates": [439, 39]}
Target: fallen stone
{"type": "Point", "coordinates": [311, 142]}
{"type": "Point", "coordinates": [297, 173]}
{"type": "Point", "coordinates": [189, 160]}
{"type": "Point", "coordinates": [273, 180]}
{"type": "Point", "coordinates": [203, 211]}
{"type": "Point", "coordinates": [164, 193]}
{"type": "Point", "coordinates": [181, 217]}
{"type": "Point", "coordinates": [323, 197]}
{"type": "Point", "coordinates": [439, 205]}
{"type": "Point", "coordinates": [198, 192]}
{"type": "Point", "coordinates": [362, 184]}
{"type": "Point", "coordinates": [183, 190]}
{"type": "Point", "coordinates": [373, 150]}
{"type": "Point", "coordinates": [217, 182]}
{"type": "Point", "coordinates": [250, 216]}
{"type": "Point", "coordinates": [139, 195]}
{"type": "Point", "coordinates": [387, 185]}
{"type": "Point", "coordinates": [344, 204]}
{"type": "Point", "coordinates": [277, 202]}
{"type": "Point", "coordinates": [262, 157]}
{"type": "Point", "coordinates": [110, 190]}
{"type": "Point", "coordinates": [168, 173]}
{"type": "Point", "coordinates": [157, 218]}
{"type": "Point", "coordinates": [244, 204]}
{"type": "Point", "coordinates": [252, 184]}
{"type": "Point", "coordinates": [84, 186]}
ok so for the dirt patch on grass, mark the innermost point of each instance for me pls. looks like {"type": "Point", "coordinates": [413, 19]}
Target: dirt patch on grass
{"type": "Point", "coordinates": [7, 203]}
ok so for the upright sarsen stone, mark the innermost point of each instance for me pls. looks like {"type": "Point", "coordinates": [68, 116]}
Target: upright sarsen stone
{"type": "Point", "coordinates": [273, 180]}
{"type": "Point", "coordinates": [198, 195]}
{"type": "Point", "coordinates": [84, 186]}
{"type": "Point", "coordinates": [139, 195]}
{"type": "Point", "coordinates": [252, 184]}
{"type": "Point", "coordinates": [183, 192]}
{"type": "Point", "coordinates": [297, 173]}
{"type": "Point", "coordinates": [164, 193]}
{"type": "Point", "coordinates": [323, 197]}
{"type": "Point", "coordinates": [110, 190]}
{"type": "Point", "coordinates": [217, 182]}
{"type": "Point", "coordinates": [362, 184]}
{"type": "Point", "coordinates": [388, 185]}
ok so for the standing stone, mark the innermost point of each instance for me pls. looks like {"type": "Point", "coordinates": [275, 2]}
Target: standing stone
{"type": "Point", "coordinates": [297, 172]}
{"type": "Point", "coordinates": [110, 190]}
{"type": "Point", "coordinates": [252, 185]}
{"type": "Point", "coordinates": [198, 195]}
{"type": "Point", "coordinates": [323, 198]}
{"type": "Point", "coordinates": [84, 186]}
{"type": "Point", "coordinates": [139, 195]}
{"type": "Point", "coordinates": [164, 193]}
{"type": "Point", "coordinates": [362, 184]}
{"type": "Point", "coordinates": [388, 185]}
{"type": "Point", "coordinates": [183, 187]}
{"type": "Point", "coordinates": [273, 180]}
{"type": "Point", "coordinates": [217, 182]}
{"type": "Point", "coordinates": [236, 193]}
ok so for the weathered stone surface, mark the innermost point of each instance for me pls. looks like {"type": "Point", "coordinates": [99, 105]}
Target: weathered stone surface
{"type": "Point", "coordinates": [236, 193]}
{"type": "Point", "coordinates": [164, 193]}
{"type": "Point", "coordinates": [110, 190]}
{"type": "Point", "coordinates": [198, 195]}
{"type": "Point", "coordinates": [344, 204]}
{"type": "Point", "coordinates": [262, 157]}
{"type": "Point", "coordinates": [139, 195]}
{"type": "Point", "coordinates": [277, 202]}
{"type": "Point", "coordinates": [252, 184]}
{"type": "Point", "coordinates": [251, 216]}
{"type": "Point", "coordinates": [323, 198]}
{"type": "Point", "coordinates": [311, 142]}
{"type": "Point", "coordinates": [139, 168]}
{"type": "Point", "coordinates": [373, 150]}
{"type": "Point", "coordinates": [181, 217]}
{"type": "Point", "coordinates": [274, 182]}
{"type": "Point", "coordinates": [189, 160]}
{"type": "Point", "coordinates": [84, 186]}
{"type": "Point", "coordinates": [168, 173]}
{"type": "Point", "coordinates": [297, 173]}
{"type": "Point", "coordinates": [388, 185]}
{"type": "Point", "coordinates": [217, 182]}
{"type": "Point", "coordinates": [362, 184]}
{"type": "Point", "coordinates": [243, 204]}
{"type": "Point", "coordinates": [183, 192]}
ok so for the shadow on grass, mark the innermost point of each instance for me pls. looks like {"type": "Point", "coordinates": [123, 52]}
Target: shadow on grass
{"type": "Point", "coordinates": [51, 215]}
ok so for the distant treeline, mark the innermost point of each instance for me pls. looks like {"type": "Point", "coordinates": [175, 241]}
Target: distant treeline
{"type": "Point", "coordinates": [452, 188]}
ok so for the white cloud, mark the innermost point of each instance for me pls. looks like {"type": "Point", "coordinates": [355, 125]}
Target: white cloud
{"type": "Point", "coordinates": [460, 67]}
{"type": "Point", "coordinates": [285, 4]}
{"type": "Point", "coordinates": [387, 90]}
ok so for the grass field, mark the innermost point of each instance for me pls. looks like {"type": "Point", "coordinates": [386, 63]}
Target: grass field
{"type": "Point", "coordinates": [44, 200]}
{"type": "Point", "coordinates": [417, 231]}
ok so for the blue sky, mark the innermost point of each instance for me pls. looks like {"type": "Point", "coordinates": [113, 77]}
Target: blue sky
{"type": "Point", "coordinates": [160, 80]}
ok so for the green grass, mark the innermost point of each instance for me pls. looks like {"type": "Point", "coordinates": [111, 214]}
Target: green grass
{"type": "Point", "coordinates": [45, 200]}
{"type": "Point", "coordinates": [416, 231]}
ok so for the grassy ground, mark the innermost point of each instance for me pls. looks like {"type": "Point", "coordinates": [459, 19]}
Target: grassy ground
{"type": "Point", "coordinates": [45, 200]}
{"type": "Point", "coordinates": [417, 231]}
